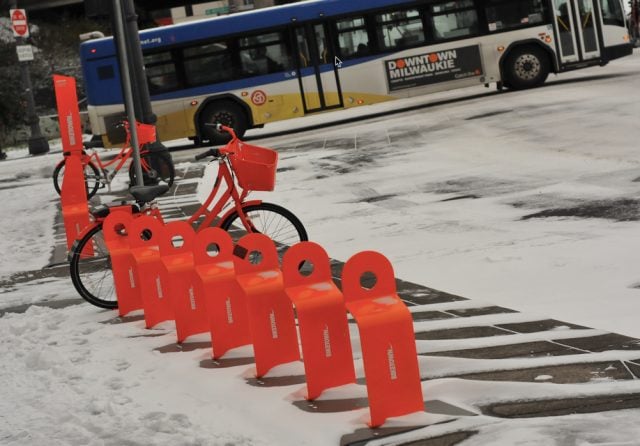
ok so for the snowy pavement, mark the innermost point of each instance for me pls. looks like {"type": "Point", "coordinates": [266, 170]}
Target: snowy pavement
{"type": "Point", "coordinates": [525, 203]}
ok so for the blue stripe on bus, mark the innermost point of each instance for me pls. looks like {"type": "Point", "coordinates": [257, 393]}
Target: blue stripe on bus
{"type": "Point", "coordinates": [236, 24]}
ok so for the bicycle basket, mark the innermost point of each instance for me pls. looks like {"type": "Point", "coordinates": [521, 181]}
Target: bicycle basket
{"type": "Point", "coordinates": [255, 167]}
{"type": "Point", "coordinates": [146, 133]}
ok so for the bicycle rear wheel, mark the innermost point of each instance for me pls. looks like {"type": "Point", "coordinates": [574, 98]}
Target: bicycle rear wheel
{"type": "Point", "coordinates": [91, 273]}
{"type": "Point", "coordinates": [91, 178]}
{"type": "Point", "coordinates": [280, 224]}
{"type": "Point", "coordinates": [156, 167]}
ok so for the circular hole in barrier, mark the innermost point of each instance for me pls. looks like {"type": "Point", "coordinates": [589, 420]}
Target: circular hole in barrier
{"type": "Point", "coordinates": [120, 229]}
{"type": "Point", "coordinates": [213, 249]}
{"type": "Point", "coordinates": [305, 268]}
{"type": "Point", "coordinates": [368, 280]}
{"type": "Point", "coordinates": [255, 257]}
{"type": "Point", "coordinates": [177, 241]}
{"type": "Point", "coordinates": [146, 235]}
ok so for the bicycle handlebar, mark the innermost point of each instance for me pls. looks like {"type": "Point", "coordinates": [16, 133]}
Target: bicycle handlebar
{"type": "Point", "coordinates": [222, 128]}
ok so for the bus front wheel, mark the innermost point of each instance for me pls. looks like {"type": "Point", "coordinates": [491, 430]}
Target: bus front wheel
{"type": "Point", "coordinates": [226, 113]}
{"type": "Point", "coordinates": [526, 67]}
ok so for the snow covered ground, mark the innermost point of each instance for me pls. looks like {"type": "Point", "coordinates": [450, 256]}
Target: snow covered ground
{"type": "Point", "coordinates": [442, 192]}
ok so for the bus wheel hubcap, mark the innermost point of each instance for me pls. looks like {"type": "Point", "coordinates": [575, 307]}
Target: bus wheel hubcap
{"type": "Point", "coordinates": [527, 67]}
{"type": "Point", "coordinates": [224, 118]}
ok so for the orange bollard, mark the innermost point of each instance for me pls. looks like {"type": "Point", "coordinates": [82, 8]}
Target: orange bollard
{"type": "Point", "coordinates": [386, 336]}
{"type": "Point", "coordinates": [224, 302]}
{"type": "Point", "coordinates": [271, 318]}
{"type": "Point", "coordinates": [144, 242]}
{"type": "Point", "coordinates": [115, 229]}
{"type": "Point", "coordinates": [176, 254]}
{"type": "Point", "coordinates": [73, 195]}
{"type": "Point", "coordinates": [324, 331]}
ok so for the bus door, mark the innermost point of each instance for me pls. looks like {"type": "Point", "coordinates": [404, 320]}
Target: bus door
{"type": "Point", "coordinates": [317, 73]}
{"type": "Point", "coordinates": [575, 25]}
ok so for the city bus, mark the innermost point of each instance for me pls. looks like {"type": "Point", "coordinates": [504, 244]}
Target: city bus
{"type": "Point", "coordinates": [248, 69]}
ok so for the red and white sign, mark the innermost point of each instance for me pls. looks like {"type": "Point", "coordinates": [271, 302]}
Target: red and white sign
{"type": "Point", "coordinates": [258, 97]}
{"type": "Point", "coordinates": [19, 22]}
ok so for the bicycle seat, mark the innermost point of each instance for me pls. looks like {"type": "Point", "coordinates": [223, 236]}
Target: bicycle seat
{"type": "Point", "coordinates": [146, 194]}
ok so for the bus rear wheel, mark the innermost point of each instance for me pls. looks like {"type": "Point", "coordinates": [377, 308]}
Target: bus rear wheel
{"type": "Point", "coordinates": [226, 113]}
{"type": "Point", "coordinates": [526, 67]}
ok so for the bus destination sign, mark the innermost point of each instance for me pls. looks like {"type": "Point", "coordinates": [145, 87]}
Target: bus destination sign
{"type": "Point", "coordinates": [431, 68]}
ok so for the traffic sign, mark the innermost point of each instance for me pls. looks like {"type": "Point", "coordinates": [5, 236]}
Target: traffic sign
{"type": "Point", "coordinates": [25, 53]}
{"type": "Point", "coordinates": [19, 22]}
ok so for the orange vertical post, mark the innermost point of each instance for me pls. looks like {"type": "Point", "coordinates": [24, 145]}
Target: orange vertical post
{"type": "Point", "coordinates": [271, 318]}
{"type": "Point", "coordinates": [115, 229]}
{"type": "Point", "coordinates": [68, 114]}
{"type": "Point", "coordinates": [73, 194]}
{"type": "Point", "coordinates": [386, 337]}
{"type": "Point", "coordinates": [322, 319]}
{"type": "Point", "coordinates": [176, 254]}
{"type": "Point", "coordinates": [144, 242]}
{"type": "Point", "coordinates": [224, 302]}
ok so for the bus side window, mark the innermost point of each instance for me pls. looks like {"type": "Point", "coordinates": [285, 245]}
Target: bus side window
{"type": "Point", "coordinates": [399, 29]}
{"type": "Point", "coordinates": [505, 14]}
{"type": "Point", "coordinates": [304, 59]}
{"type": "Point", "coordinates": [161, 72]}
{"type": "Point", "coordinates": [208, 63]}
{"type": "Point", "coordinates": [264, 54]}
{"type": "Point", "coordinates": [612, 13]}
{"type": "Point", "coordinates": [454, 19]}
{"type": "Point", "coordinates": [351, 33]}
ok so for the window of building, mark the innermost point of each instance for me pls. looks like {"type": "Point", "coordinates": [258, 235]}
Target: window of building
{"type": "Point", "coordinates": [353, 39]}
{"type": "Point", "coordinates": [399, 29]}
{"type": "Point", "coordinates": [264, 54]}
{"type": "Point", "coordinates": [507, 14]}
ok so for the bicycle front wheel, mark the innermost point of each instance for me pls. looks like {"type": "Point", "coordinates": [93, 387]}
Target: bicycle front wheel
{"type": "Point", "coordinates": [91, 178]}
{"type": "Point", "coordinates": [278, 223]}
{"type": "Point", "coordinates": [91, 270]}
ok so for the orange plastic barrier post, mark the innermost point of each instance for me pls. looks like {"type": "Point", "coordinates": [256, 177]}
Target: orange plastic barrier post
{"type": "Point", "coordinates": [324, 331]}
{"type": "Point", "coordinates": [116, 229]}
{"type": "Point", "coordinates": [144, 242]}
{"type": "Point", "coordinates": [386, 336]}
{"type": "Point", "coordinates": [176, 254]}
{"type": "Point", "coordinates": [224, 302]}
{"type": "Point", "coordinates": [75, 209]}
{"type": "Point", "coordinates": [68, 114]}
{"type": "Point", "coordinates": [271, 318]}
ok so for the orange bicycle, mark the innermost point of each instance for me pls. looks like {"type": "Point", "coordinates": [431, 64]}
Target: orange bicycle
{"type": "Point", "coordinates": [242, 168]}
{"type": "Point", "coordinates": [156, 166]}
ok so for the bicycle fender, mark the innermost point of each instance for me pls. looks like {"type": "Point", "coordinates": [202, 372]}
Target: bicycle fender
{"type": "Point", "coordinates": [233, 209]}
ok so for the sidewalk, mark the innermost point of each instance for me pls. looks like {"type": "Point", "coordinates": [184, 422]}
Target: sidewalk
{"type": "Point", "coordinates": [492, 364]}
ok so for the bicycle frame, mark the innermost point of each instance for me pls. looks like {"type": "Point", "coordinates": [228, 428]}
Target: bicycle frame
{"type": "Point", "coordinates": [231, 192]}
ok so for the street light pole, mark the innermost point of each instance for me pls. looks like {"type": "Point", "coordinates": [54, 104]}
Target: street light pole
{"type": "Point", "coordinates": [138, 75]}
{"type": "Point", "coordinates": [127, 90]}
{"type": "Point", "coordinates": [38, 145]}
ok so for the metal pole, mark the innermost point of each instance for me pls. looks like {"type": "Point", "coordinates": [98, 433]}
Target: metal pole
{"type": "Point", "coordinates": [138, 73]}
{"type": "Point", "coordinates": [126, 88]}
{"type": "Point", "coordinates": [38, 145]}
{"type": "Point", "coordinates": [136, 64]}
